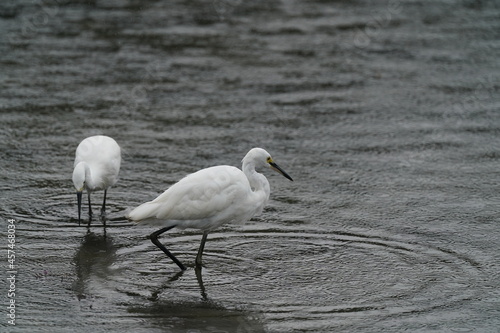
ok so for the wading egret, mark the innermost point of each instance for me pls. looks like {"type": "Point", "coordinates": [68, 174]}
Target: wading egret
{"type": "Point", "coordinates": [209, 198]}
{"type": "Point", "coordinates": [97, 164]}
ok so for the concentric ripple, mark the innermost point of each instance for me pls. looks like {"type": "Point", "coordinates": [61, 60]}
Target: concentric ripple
{"type": "Point", "coordinates": [290, 276]}
{"type": "Point", "coordinates": [330, 273]}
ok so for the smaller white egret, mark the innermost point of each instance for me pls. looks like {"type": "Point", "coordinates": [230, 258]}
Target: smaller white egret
{"type": "Point", "coordinates": [210, 198]}
{"type": "Point", "coordinates": [97, 164]}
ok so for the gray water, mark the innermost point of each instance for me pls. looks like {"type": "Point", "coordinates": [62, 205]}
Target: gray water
{"type": "Point", "coordinates": [386, 114]}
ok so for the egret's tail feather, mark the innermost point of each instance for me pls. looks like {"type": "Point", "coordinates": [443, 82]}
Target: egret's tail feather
{"type": "Point", "coordinates": [144, 212]}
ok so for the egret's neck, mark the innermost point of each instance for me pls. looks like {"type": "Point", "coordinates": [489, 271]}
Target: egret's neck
{"type": "Point", "coordinates": [258, 182]}
{"type": "Point", "coordinates": [83, 175]}
{"type": "Point", "coordinates": [260, 187]}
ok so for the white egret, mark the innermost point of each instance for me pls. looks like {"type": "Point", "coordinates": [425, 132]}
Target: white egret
{"type": "Point", "coordinates": [97, 164]}
{"type": "Point", "coordinates": [210, 198]}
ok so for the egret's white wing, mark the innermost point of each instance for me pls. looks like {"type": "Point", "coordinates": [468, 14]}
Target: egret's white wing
{"type": "Point", "coordinates": [199, 196]}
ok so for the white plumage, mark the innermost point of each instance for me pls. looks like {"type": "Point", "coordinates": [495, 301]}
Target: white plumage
{"type": "Point", "coordinates": [201, 200]}
{"type": "Point", "coordinates": [210, 198]}
{"type": "Point", "coordinates": [96, 167]}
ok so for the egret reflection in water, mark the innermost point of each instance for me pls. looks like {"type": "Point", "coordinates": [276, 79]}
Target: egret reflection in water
{"type": "Point", "coordinates": [92, 262]}
{"type": "Point", "coordinates": [384, 112]}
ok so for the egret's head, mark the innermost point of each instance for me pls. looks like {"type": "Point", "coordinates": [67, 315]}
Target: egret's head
{"type": "Point", "coordinates": [261, 157]}
{"type": "Point", "coordinates": [79, 177]}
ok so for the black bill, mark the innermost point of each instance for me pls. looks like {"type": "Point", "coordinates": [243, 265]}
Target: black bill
{"type": "Point", "coordinates": [79, 199]}
{"type": "Point", "coordinates": [280, 170]}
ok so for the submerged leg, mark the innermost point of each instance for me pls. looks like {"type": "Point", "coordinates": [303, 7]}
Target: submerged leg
{"type": "Point", "coordinates": [154, 239]}
{"type": "Point", "coordinates": [197, 271]}
{"type": "Point", "coordinates": [202, 247]}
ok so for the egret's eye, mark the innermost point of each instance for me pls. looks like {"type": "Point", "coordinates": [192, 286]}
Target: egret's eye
{"type": "Point", "coordinates": [269, 159]}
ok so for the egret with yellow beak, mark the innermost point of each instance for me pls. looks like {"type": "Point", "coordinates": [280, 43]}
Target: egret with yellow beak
{"type": "Point", "coordinates": [210, 198]}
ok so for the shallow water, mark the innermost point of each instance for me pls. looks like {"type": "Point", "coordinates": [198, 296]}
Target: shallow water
{"type": "Point", "coordinates": [386, 116]}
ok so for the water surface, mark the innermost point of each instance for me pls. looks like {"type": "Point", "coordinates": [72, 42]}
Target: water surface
{"type": "Point", "coordinates": [386, 116]}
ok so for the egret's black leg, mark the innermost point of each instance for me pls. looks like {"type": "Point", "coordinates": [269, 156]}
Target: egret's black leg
{"type": "Point", "coordinates": [90, 206]}
{"type": "Point", "coordinates": [154, 239]}
{"type": "Point", "coordinates": [202, 247]}
{"type": "Point", "coordinates": [103, 209]}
